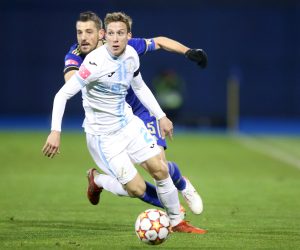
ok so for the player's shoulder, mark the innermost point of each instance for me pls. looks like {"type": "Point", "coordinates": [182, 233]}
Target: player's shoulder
{"type": "Point", "coordinates": [75, 49]}
{"type": "Point", "coordinates": [97, 56]}
{"type": "Point", "coordinates": [73, 58]}
{"type": "Point", "coordinates": [131, 51]}
{"type": "Point", "coordinates": [74, 55]}
{"type": "Point", "coordinates": [95, 53]}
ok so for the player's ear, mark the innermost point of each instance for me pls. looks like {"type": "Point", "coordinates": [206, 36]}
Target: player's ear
{"type": "Point", "coordinates": [129, 35]}
{"type": "Point", "coordinates": [101, 34]}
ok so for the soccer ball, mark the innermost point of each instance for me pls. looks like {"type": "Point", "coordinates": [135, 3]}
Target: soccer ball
{"type": "Point", "coordinates": [153, 226]}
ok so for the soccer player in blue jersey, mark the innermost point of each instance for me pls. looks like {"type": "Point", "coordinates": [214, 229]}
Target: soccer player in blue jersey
{"type": "Point", "coordinates": [90, 35]}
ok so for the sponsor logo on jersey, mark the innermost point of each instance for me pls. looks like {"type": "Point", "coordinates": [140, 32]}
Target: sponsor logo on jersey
{"type": "Point", "coordinates": [71, 62]}
{"type": "Point", "coordinates": [111, 74]}
{"type": "Point", "coordinates": [92, 63]}
{"type": "Point", "coordinates": [84, 72]}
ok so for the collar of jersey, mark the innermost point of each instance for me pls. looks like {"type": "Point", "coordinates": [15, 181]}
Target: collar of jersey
{"type": "Point", "coordinates": [112, 56]}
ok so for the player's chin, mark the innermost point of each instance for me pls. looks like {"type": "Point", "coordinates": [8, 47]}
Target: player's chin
{"type": "Point", "coordinates": [117, 51]}
{"type": "Point", "coordinates": [85, 49]}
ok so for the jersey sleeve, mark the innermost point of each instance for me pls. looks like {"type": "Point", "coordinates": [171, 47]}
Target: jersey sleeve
{"type": "Point", "coordinates": [88, 69]}
{"type": "Point", "coordinates": [146, 96]}
{"type": "Point", "coordinates": [73, 60]}
{"type": "Point", "coordinates": [142, 45]}
{"type": "Point", "coordinates": [69, 89]}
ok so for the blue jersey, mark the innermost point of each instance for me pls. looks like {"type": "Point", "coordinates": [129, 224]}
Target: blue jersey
{"type": "Point", "coordinates": [74, 59]}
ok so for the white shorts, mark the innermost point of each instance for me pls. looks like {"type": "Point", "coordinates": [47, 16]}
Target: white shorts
{"type": "Point", "coordinates": [115, 153]}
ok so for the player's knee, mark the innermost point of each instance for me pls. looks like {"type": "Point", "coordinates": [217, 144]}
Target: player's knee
{"type": "Point", "coordinates": [160, 172]}
{"type": "Point", "coordinates": [156, 168]}
{"type": "Point", "coordinates": [136, 188]}
{"type": "Point", "coordinates": [136, 192]}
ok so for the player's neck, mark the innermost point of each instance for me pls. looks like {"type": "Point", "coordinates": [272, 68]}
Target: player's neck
{"type": "Point", "coordinates": [101, 42]}
{"type": "Point", "coordinates": [115, 56]}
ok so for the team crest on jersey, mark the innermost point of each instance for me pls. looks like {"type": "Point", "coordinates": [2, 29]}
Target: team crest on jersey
{"type": "Point", "coordinates": [129, 67]}
{"type": "Point", "coordinates": [84, 72]}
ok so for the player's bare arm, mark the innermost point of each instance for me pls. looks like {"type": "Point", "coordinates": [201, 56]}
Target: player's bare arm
{"type": "Point", "coordinates": [170, 45]}
{"type": "Point", "coordinates": [197, 55]}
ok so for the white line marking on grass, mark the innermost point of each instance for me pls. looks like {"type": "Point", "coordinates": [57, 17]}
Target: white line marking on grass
{"type": "Point", "coordinates": [270, 150]}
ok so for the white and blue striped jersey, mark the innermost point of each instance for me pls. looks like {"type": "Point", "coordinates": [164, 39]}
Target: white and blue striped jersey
{"type": "Point", "coordinates": [104, 80]}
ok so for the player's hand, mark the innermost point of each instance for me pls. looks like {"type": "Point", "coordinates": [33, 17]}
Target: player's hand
{"type": "Point", "coordinates": [166, 127]}
{"type": "Point", "coordinates": [51, 147]}
{"type": "Point", "coordinates": [197, 55]}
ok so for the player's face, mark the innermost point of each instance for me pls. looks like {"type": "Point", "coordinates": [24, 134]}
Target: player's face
{"type": "Point", "coordinates": [88, 36]}
{"type": "Point", "coordinates": [117, 37]}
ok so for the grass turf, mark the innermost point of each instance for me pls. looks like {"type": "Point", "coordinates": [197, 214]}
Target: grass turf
{"type": "Point", "coordinates": [251, 199]}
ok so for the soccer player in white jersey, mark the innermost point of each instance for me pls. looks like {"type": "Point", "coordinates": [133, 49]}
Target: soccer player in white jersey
{"type": "Point", "coordinates": [115, 136]}
{"type": "Point", "coordinates": [90, 35]}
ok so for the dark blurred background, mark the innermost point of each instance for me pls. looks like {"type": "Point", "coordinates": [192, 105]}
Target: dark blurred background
{"type": "Point", "coordinates": [256, 43]}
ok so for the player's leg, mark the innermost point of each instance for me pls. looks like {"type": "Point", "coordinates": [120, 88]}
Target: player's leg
{"type": "Point", "coordinates": [177, 178]}
{"type": "Point", "coordinates": [97, 182]}
{"type": "Point", "coordinates": [152, 125]}
{"type": "Point", "coordinates": [109, 183]}
{"type": "Point", "coordinates": [144, 150]}
{"type": "Point", "coordinates": [183, 185]}
{"type": "Point", "coordinates": [166, 190]}
{"type": "Point", "coordinates": [168, 194]}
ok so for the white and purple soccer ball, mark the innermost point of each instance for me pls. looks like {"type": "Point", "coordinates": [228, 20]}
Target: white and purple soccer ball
{"type": "Point", "coordinates": [153, 226]}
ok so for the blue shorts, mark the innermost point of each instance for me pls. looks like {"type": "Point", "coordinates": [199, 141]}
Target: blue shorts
{"type": "Point", "coordinates": [153, 127]}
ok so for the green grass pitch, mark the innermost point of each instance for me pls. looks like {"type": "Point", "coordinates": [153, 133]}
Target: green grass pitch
{"type": "Point", "coordinates": [250, 188]}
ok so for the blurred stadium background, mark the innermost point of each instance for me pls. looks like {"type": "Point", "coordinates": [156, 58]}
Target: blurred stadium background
{"type": "Point", "coordinates": [255, 44]}
{"type": "Point", "coordinates": [249, 184]}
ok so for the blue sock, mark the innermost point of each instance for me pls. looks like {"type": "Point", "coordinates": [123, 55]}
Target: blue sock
{"type": "Point", "coordinates": [150, 196]}
{"type": "Point", "coordinates": [176, 176]}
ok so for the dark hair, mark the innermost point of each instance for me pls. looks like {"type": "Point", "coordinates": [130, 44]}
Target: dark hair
{"type": "Point", "coordinates": [91, 16]}
{"type": "Point", "coordinates": [118, 17]}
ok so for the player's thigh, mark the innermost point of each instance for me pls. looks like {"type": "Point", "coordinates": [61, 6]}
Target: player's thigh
{"type": "Point", "coordinates": [123, 167]}
{"type": "Point", "coordinates": [142, 145]}
{"type": "Point", "coordinates": [156, 167]}
{"type": "Point", "coordinates": [110, 157]}
{"type": "Point", "coordinates": [163, 155]}
{"type": "Point", "coordinates": [95, 149]}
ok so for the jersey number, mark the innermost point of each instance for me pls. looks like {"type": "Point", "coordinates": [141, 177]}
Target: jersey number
{"type": "Point", "coordinates": [147, 137]}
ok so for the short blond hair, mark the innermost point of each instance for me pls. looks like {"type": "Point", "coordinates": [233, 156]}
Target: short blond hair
{"type": "Point", "coordinates": [118, 17]}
